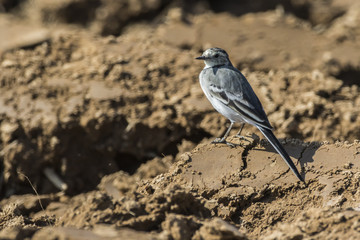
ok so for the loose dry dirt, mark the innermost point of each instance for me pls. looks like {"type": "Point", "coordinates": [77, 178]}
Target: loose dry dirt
{"type": "Point", "coordinates": [105, 132]}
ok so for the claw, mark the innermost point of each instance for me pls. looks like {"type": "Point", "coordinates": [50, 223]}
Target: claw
{"type": "Point", "coordinates": [242, 138]}
{"type": "Point", "coordinates": [223, 141]}
{"type": "Point", "coordinates": [230, 144]}
{"type": "Point", "coordinates": [219, 140]}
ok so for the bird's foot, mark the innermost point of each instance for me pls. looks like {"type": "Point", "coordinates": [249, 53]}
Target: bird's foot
{"type": "Point", "coordinates": [242, 138]}
{"type": "Point", "coordinates": [219, 140]}
{"type": "Point", "coordinates": [223, 141]}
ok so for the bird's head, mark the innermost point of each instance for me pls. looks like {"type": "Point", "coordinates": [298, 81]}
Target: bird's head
{"type": "Point", "coordinates": [215, 57]}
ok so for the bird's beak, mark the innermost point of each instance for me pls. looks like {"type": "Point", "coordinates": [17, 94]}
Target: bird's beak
{"type": "Point", "coordinates": [201, 58]}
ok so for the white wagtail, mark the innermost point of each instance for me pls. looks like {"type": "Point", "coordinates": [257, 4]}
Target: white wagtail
{"type": "Point", "coordinates": [231, 95]}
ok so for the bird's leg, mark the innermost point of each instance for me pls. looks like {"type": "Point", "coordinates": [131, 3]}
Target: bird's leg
{"type": "Point", "coordinates": [223, 139]}
{"type": "Point", "coordinates": [238, 135]}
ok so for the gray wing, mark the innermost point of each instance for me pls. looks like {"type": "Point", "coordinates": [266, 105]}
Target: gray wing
{"type": "Point", "coordinates": [230, 87]}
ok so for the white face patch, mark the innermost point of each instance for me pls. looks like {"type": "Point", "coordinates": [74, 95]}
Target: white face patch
{"type": "Point", "coordinates": [215, 56]}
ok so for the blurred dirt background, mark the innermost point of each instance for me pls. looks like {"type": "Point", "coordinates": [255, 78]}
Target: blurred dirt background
{"type": "Point", "coordinates": [105, 132]}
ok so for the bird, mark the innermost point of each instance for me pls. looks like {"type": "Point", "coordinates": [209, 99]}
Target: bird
{"type": "Point", "coordinates": [231, 95]}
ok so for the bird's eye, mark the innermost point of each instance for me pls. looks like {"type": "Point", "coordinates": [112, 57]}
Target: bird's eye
{"type": "Point", "coordinates": [216, 55]}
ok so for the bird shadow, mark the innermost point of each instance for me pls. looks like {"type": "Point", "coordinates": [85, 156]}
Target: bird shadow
{"type": "Point", "coordinates": [303, 154]}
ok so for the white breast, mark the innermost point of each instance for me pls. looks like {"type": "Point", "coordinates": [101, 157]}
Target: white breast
{"type": "Point", "coordinates": [217, 104]}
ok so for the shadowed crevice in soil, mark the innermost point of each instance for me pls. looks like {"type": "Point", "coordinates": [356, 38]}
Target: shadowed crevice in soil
{"type": "Point", "coordinates": [79, 12]}
{"type": "Point", "coordinates": [302, 9]}
{"type": "Point", "coordinates": [249, 147]}
{"type": "Point", "coordinates": [302, 169]}
{"type": "Point", "coordinates": [130, 162]}
{"type": "Point", "coordinates": [349, 75]}
{"type": "Point", "coordinates": [127, 162]}
{"type": "Point", "coordinates": [242, 7]}
{"type": "Point", "coordinates": [100, 150]}
{"type": "Point", "coordinates": [9, 5]}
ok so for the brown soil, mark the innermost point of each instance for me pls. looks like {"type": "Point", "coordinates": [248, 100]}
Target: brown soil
{"type": "Point", "coordinates": [105, 132]}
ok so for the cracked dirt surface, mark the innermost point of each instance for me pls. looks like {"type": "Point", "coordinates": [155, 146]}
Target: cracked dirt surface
{"type": "Point", "coordinates": [102, 115]}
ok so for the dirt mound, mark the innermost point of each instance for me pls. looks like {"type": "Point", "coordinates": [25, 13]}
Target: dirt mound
{"type": "Point", "coordinates": [112, 131]}
{"type": "Point", "coordinates": [250, 187]}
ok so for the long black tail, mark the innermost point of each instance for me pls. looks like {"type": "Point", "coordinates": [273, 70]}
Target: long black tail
{"type": "Point", "coordinates": [280, 149]}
